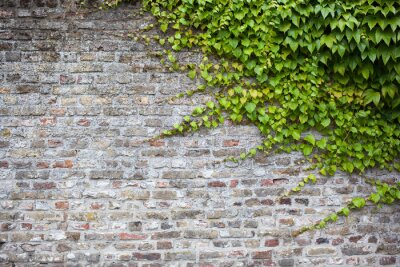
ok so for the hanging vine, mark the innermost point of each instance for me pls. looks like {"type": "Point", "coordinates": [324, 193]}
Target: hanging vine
{"type": "Point", "coordinates": [318, 76]}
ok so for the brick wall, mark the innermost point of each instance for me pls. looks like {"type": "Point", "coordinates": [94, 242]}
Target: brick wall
{"type": "Point", "coordinates": [81, 187]}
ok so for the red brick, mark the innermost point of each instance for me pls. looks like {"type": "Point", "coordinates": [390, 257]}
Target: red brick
{"type": "Point", "coordinates": [4, 164]}
{"type": "Point", "coordinates": [164, 245]}
{"type": "Point", "coordinates": [26, 226]}
{"type": "Point", "coordinates": [57, 111]}
{"type": "Point", "coordinates": [96, 206]}
{"type": "Point", "coordinates": [267, 202]}
{"type": "Point", "coordinates": [238, 254]}
{"type": "Point", "coordinates": [42, 165]}
{"type": "Point", "coordinates": [280, 181]}
{"type": "Point", "coordinates": [231, 143]}
{"type": "Point", "coordinates": [289, 221]}
{"type": "Point", "coordinates": [234, 183]}
{"type": "Point", "coordinates": [62, 205]}
{"type": "Point", "coordinates": [216, 184]}
{"type": "Point", "coordinates": [128, 236]}
{"type": "Point", "coordinates": [82, 226]}
{"type": "Point", "coordinates": [44, 185]}
{"type": "Point", "coordinates": [157, 143]}
{"type": "Point", "coordinates": [6, 226]}
{"type": "Point", "coordinates": [55, 143]}
{"type": "Point", "coordinates": [355, 239]}
{"type": "Point", "coordinates": [63, 164]}
{"type": "Point", "coordinates": [267, 182]}
{"type": "Point", "coordinates": [337, 241]}
{"type": "Point", "coordinates": [146, 256]}
{"type": "Point", "coordinates": [83, 122]}
{"type": "Point", "coordinates": [162, 184]}
{"type": "Point", "coordinates": [48, 121]}
{"type": "Point", "coordinates": [116, 184]}
{"type": "Point", "coordinates": [262, 254]}
{"type": "Point", "coordinates": [271, 243]}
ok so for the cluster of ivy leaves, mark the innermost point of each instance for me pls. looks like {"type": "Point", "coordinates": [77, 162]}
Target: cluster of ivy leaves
{"type": "Point", "coordinates": [293, 69]}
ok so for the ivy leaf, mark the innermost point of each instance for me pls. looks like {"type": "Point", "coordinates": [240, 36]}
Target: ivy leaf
{"type": "Point", "coordinates": [372, 96]}
{"type": "Point", "coordinates": [296, 135]}
{"type": "Point", "coordinates": [325, 122]}
{"type": "Point", "coordinates": [164, 27]}
{"type": "Point", "coordinates": [237, 52]}
{"type": "Point", "coordinates": [239, 15]}
{"type": "Point", "coordinates": [389, 90]}
{"type": "Point", "coordinates": [258, 70]}
{"type": "Point", "coordinates": [210, 105]}
{"type": "Point", "coordinates": [310, 138]}
{"type": "Point", "coordinates": [312, 178]}
{"type": "Point", "coordinates": [358, 202]}
{"type": "Point", "coordinates": [192, 74]}
{"type": "Point", "coordinates": [328, 40]}
{"type": "Point", "coordinates": [250, 107]}
{"type": "Point", "coordinates": [233, 43]}
{"type": "Point", "coordinates": [345, 211]}
{"type": "Point", "coordinates": [375, 197]}
{"type": "Point", "coordinates": [293, 105]}
{"type": "Point", "coordinates": [303, 118]}
{"type": "Point", "coordinates": [348, 167]}
{"type": "Point", "coordinates": [251, 64]}
{"type": "Point", "coordinates": [307, 150]}
{"type": "Point", "coordinates": [246, 42]}
{"type": "Point", "coordinates": [322, 143]}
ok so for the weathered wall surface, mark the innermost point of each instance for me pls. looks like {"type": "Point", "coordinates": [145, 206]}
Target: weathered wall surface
{"type": "Point", "coordinates": [81, 187]}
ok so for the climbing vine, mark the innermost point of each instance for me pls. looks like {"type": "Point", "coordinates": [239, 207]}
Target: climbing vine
{"type": "Point", "coordinates": [318, 76]}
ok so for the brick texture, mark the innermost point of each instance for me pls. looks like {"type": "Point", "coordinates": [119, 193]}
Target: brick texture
{"type": "Point", "coordinates": [80, 186]}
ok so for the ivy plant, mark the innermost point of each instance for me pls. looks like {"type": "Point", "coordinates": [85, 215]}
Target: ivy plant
{"type": "Point", "coordinates": [317, 76]}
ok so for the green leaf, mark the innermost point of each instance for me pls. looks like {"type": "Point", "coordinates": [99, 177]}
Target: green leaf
{"type": "Point", "coordinates": [325, 122]}
{"type": "Point", "coordinates": [250, 107]}
{"type": "Point", "coordinates": [328, 40]}
{"type": "Point", "coordinates": [345, 211]}
{"type": "Point", "coordinates": [164, 27]}
{"type": "Point", "coordinates": [310, 138]}
{"type": "Point", "coordinates": [296, 135]}
{"type": "Point", "coordinates": [307, 150]}
{"type": "Point", "coordinates": [233, 43]}
{"type": "Point", "coordinates": [322, 143]}
{"type": "Point", "coordinates": [389, 90]}
{"type": "Point", "coordinates": [372, 96]}
{"type": "Point", "coordinates": [192, 74]}
{"type": "Point", "coordinates": [358, 202]}
{"type": "Point", "coordinates": [240, 15]}
{"type": "Point", "coordinates": [312, 178]}
{"type": "Point", "coordinates": [303, 118]}
{"type": "Point", "coordinates": [210, 105]}
{"type": "Point", "coordinates": [375, 197]}
{"type": "Point", "coordinates": [246, 42]}
{"type": "Point", "coordinates": [258, 70]}
{"type": "Point", "coordinates": [237, 52]}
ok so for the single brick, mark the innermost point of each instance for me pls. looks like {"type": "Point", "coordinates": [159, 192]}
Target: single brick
{"type": "Point", "coordinates": [129, 236]}
{"type": "Point", "coordinates": [262, 254]}
{"type": "Point", "coordinates": [146, 256]}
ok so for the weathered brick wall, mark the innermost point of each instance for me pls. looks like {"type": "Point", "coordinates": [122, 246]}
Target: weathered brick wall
{"type": "Point", "coordinates": [81, 187]}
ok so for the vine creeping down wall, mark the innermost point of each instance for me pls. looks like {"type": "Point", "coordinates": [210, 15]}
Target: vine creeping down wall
{"type": "Point", "coordinates": [82, 185]}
